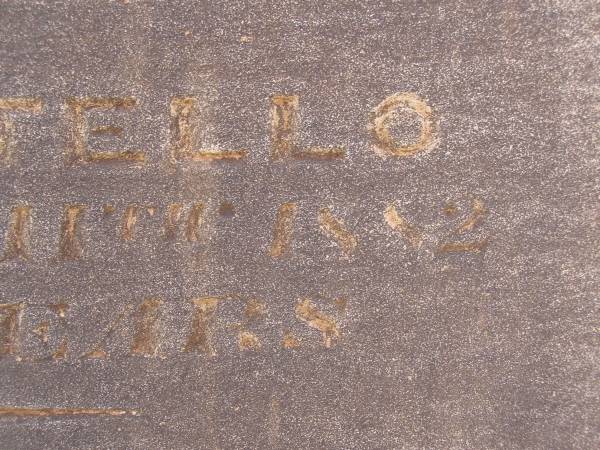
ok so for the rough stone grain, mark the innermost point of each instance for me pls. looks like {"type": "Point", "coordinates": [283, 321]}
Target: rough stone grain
{"type": "Point", "coordinates": [442, 299]}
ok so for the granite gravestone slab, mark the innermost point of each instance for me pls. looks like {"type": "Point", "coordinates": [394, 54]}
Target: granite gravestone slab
{"type": "Point", "coordinates": [299, 224]}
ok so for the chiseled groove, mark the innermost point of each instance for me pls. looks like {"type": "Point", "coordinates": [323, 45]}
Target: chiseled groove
{"type": "Point", "coordinates": [336, 230]}
{"type": "Point", "coordinates": [284, 227]}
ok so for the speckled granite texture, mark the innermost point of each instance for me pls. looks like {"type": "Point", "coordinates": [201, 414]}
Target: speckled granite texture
{"type": "Point", "coordinates": [312, 290]}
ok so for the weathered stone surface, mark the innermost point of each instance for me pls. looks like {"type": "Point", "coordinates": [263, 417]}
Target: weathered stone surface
{"type": "Point", "coordinates": [299, 224]}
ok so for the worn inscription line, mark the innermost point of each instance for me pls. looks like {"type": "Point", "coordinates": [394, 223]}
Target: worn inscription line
{"type": "Point", "coordinates": [385, 113]}
{"type": "Point", "coordinates": [476, 217]}
{"type": "Point", "coordinates": [48, 412]}
{"type": "Point", "coordinates": [79, 151]}
{"type": "Point", "coordinates": [200, 338]}
{"type": "Point", "coordinates": [284, 227]}
{"type": "Point", "coordinates": [398, 223]}
{"type": "Point", "coordinates": [172, 220]}
{"type": "Point", "coordinates": [335, 228]}
{"type": "Point", "coordinates": [284, 131]}
{"type": "Point", "coordinates": [146, 339]}
{"type": "Point", "coordinates": [70, 246]}
{"type": "Point", "coordinates": [129, 221]}
{"type": "Point", "coordinates": [183, 128]}
{"type": "Point", "coordinates": [194, 221]}
{"type": "Point", "coordinates": [307, 312]}
{"type": "Point", "coordinates": [18, 234]}
{"type": "Point", "coordinates": [10, 321]}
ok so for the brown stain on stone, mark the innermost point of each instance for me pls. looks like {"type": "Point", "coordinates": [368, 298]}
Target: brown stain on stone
{"type": "Point", "coordinates": [200, 338]}
{"type": "Point", "coordinates": [398, 223]}
{"type": "Point", "coordinates": [10, 321]}
{"type": "Point", "coordinates": [108, 209]}
{"type": "Point", "coordinates": [335, 229]}
{"type": "Point", "coordinates": [283, 229]}
{"type": "Point", "coordinates": [284, 130]}
{"type": "Point", "coordinates": [307, 312]}
{"type": "Point", "coordinates": [383, 142]}
{"type": "Point", "coordinates": [70, 246]}
{"type": "Point", "coordinates": [183, 132]}
{"type": "Point", "coordinates": [79, 151]}
{"type": "Point", "coordinates": [17, 236]}
{"type": "Point", "coordinates": [146, 337]}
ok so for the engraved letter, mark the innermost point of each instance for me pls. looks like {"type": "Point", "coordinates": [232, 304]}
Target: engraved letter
{"type": "Point", "coordinates": [10, 317]}
{"type": "Point", "coordinates": [70, 246]}
{"type": "Point", "coordinates": [472, 221]}
{"type": "Point", "coordinates": [282, 232]}
{"type": "Point", "coordinates": [79, 151]}
{"type": "Point", "coordinates": [194, 220]}
{"type": "Point", "coordinates": [284, 130]}
{"type": "Point", "coordinates": [335, 228]}
{"type": "Point", "coordinates": [307, 312]}
{"type": "Point", "coordinates": [146, 334]}
{"type": "Point", "coordinates": [383, 142]}
{"type": "Point", "coordinates": [199, 339]}
{"type": "Point", "coordinates": [128, 222]}
{"type": "Point", "coordinates": [17, 236]}
{"type": "Point", "coordinates": [146, 338]}
{"type": "Point", "coordinates": [183, 135]}
{"type": "Point", "coordinates": [398, 223]}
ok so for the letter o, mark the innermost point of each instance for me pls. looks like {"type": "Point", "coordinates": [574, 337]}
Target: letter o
{"type": "Point", "coordinates": [383, 142]}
